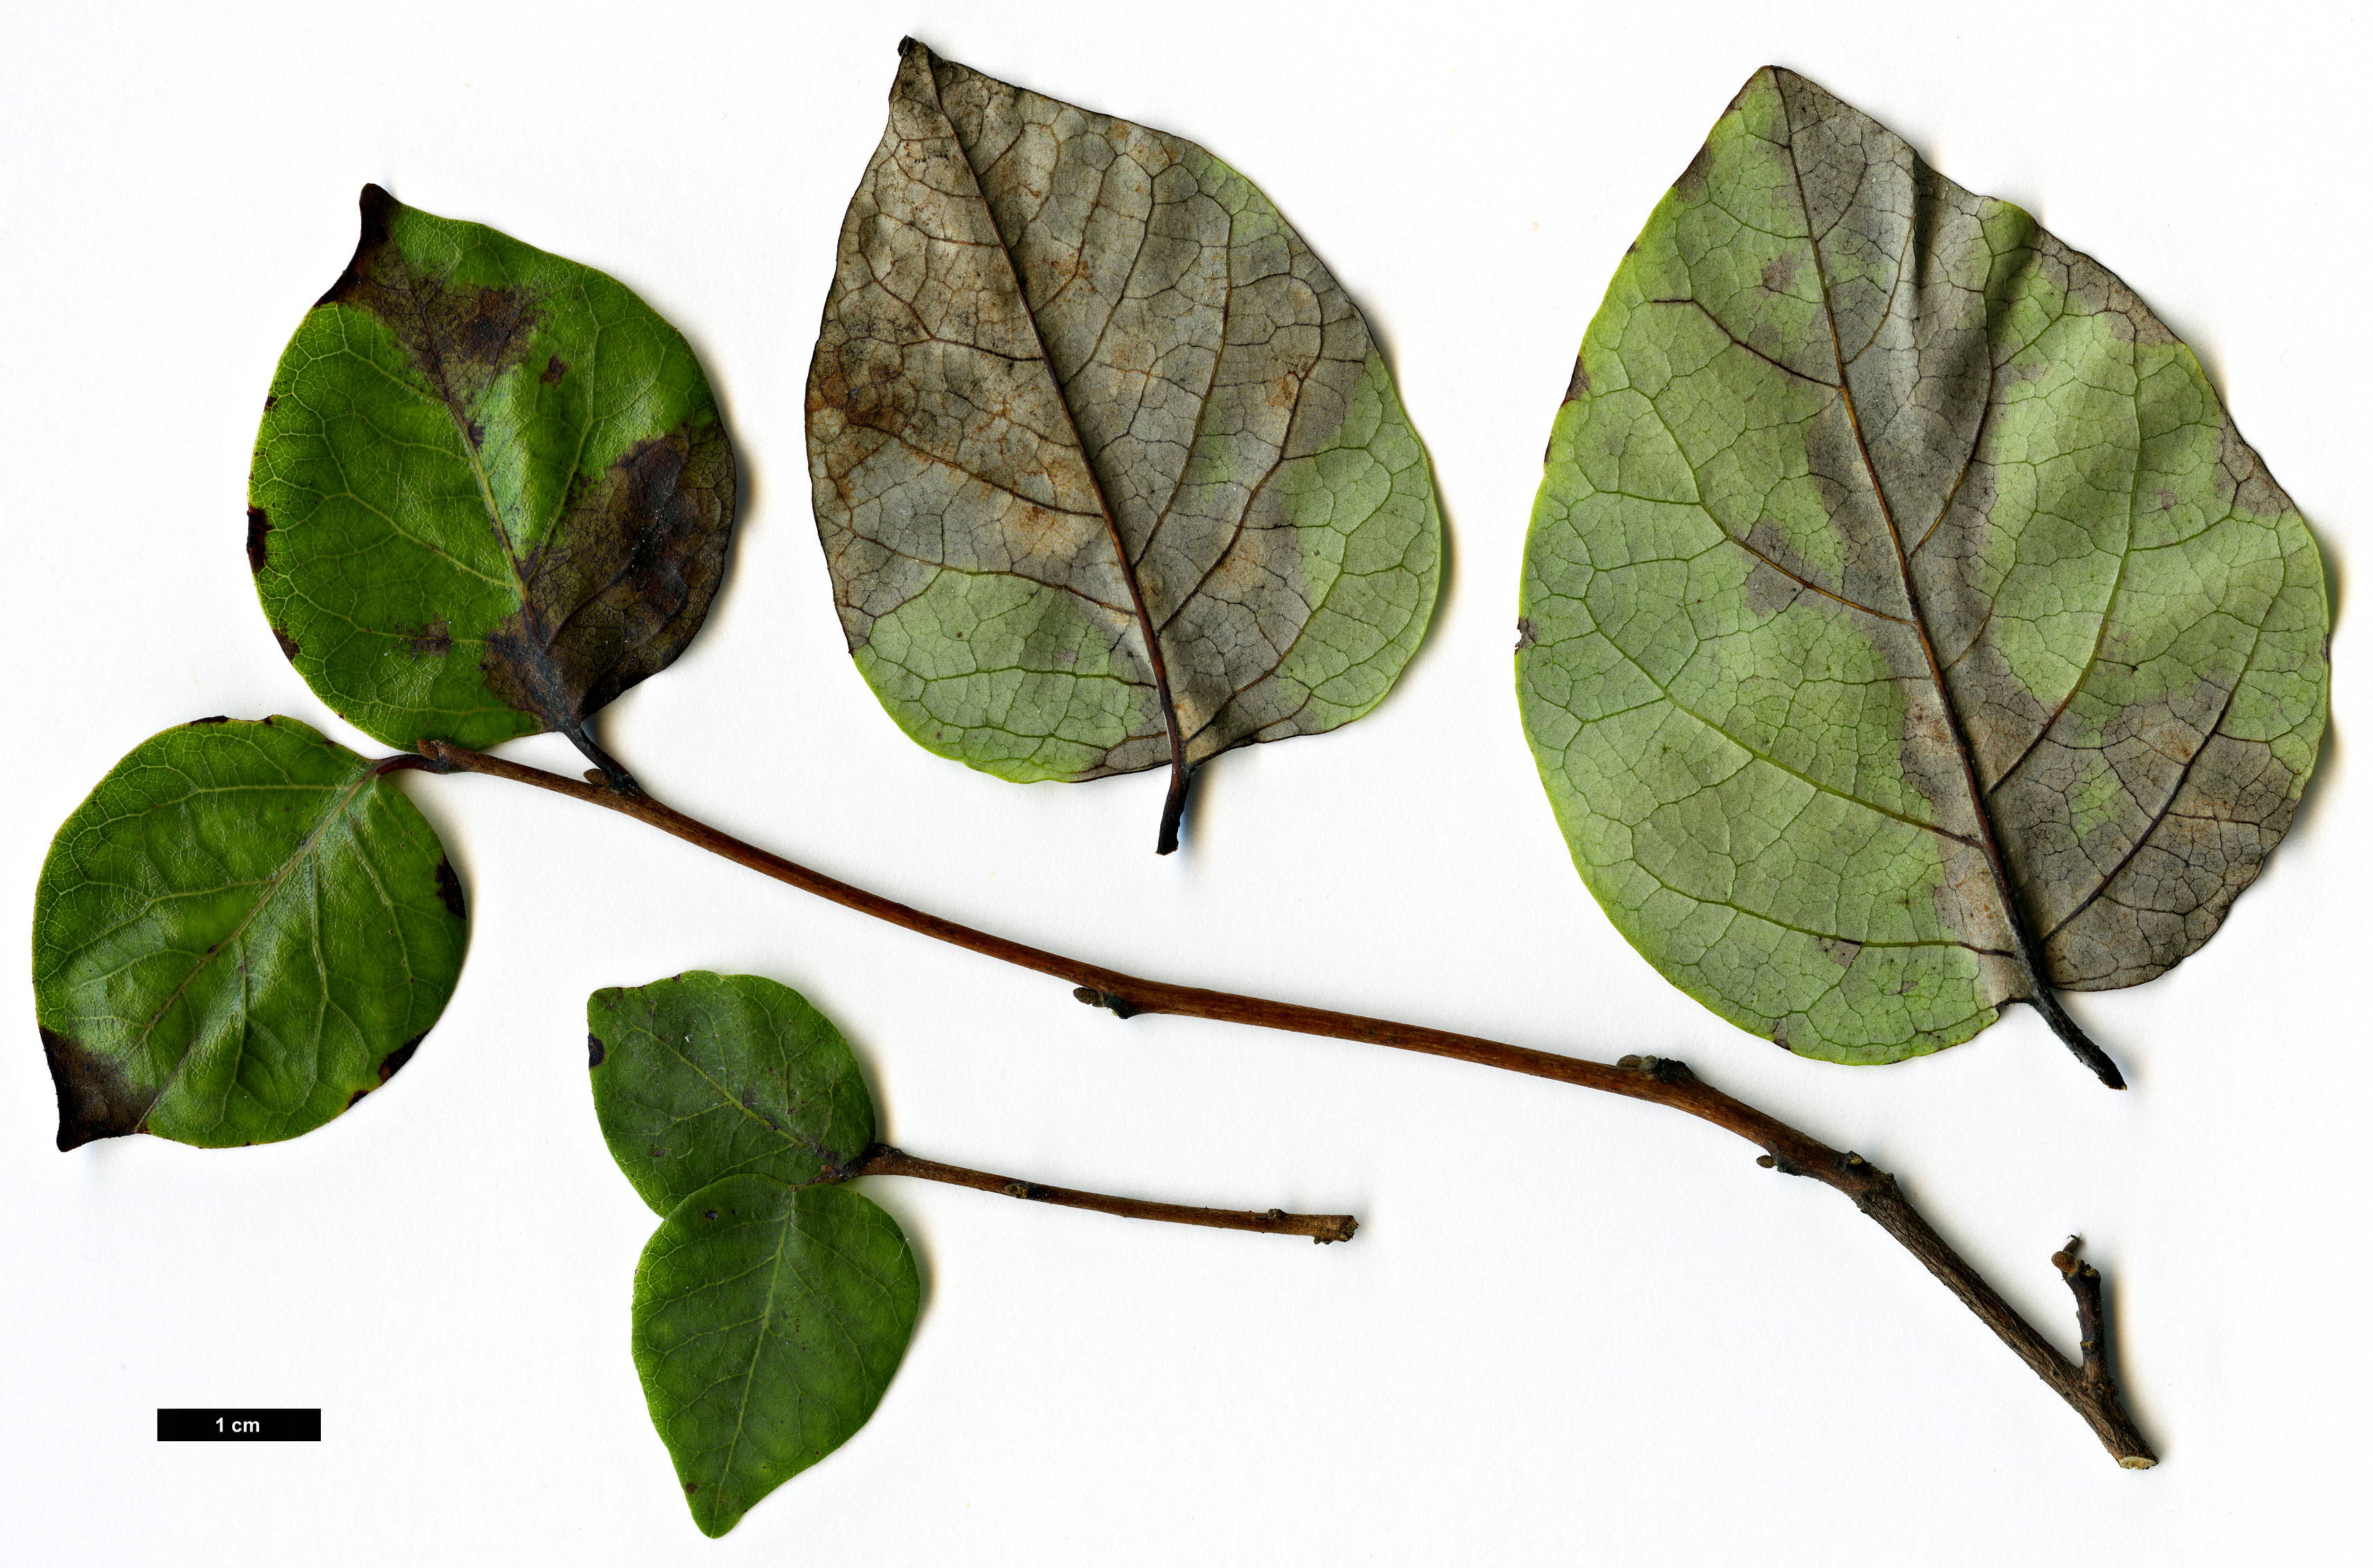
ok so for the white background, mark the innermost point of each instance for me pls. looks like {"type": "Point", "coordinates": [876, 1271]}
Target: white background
{"type": "Point", "coordinates": [1574, 1328]}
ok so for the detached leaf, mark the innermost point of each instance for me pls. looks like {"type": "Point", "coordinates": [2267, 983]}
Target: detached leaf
{"type": "Point", "coordinates": [768, 1320]}
{"type": "Point", "coordinates": [491, 491]}
{"type": "Point", "coordinates": [243, 931]}
{"type": "Point", "coordinates": [1910, 631]}
{"type": "Point", "coordinates": [772, 1307]}
{"type": "Point", "coordinates": [1107, 470]}
{"type": "Point", "coordinates": [705, 1077]}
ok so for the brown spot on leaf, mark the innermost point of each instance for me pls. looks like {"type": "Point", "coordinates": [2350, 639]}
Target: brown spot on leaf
{"type": "Point", "coordinates": [217, 718]}
{"type": "Point", "coordinates": [1692, 182]}
{"type": "Point", "coordinates": [458, 336]}
{"type": "Point", "coordinates": [596, 1051]}
{"type": "Point", "coordinates": [449, 892]}
{"type": "Point", "coordinates": [691, 1486]}
{"type": "Point", "coordinates": [1579, 383]}
{"type": "Point", "coordinates": [270, 401]}
{"type": "Point", "coordinates": [553, 369]}
{"type": "Point", "coordinates": [1840, 952]}
{"type": "Point", "coordinates": [435, 640]}
{"type": "Point", "coordinates": [95, 1098]}
{"type": "Point", "coordinates": [258, 526]}
{"type": "Point", "coordinates": [1780, 272]}
{"type": "Point", "coordinates": [623, 582]}
{"type": "Point", "coordinates": [289, 649]}
{"type": "Point", "coordinates": [1780, 1035]}
{"type": "Point", "coordinates": [1526, 635]}
{"type": "Point", "coordinates": [354, 1098]}
{"type": "Point", "coordinates": [393, 1063]}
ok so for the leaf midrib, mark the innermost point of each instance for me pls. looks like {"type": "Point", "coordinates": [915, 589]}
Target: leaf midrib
{"type": "Point", "coordinates": [303, 852]}
{"type": "Point", "coordinates": [2023, 939]}
{"type": "Point", "coordinates": [1146, 628]}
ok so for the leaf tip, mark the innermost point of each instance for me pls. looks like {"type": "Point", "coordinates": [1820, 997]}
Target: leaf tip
{"type": "Point", "coordinates": [379, 210]}
{"type": "Point", "coordinates": [94, 1100]}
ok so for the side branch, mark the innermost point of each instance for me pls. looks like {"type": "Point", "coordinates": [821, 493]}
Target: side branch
{"type": "Point", "coordinates": [884, 1160]}
{"type": "Point", "coordinates": [1647, 1078]}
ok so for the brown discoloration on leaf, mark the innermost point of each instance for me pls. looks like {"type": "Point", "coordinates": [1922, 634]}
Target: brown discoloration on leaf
{"type": "Point", "coordinates": [379, 213]}
{"type": "Point", "coordinates": [95, 1097]}
{"type": "Point", "coordinates": [460, 337]}
{"type": "Point", "coordinates": [1692, 182]}
{"type": "Point", "coordinates": [1911, 487]}
{"type": "Point", "coordinates": [217, 718]}
{"type": "Point", "coordinates": [2009, 592]}
{"type": "Point", "coordinates": [555, 368]}
{"type": "Point", "coordinates": [596, 1051]}
{"type": "Point", "coordinates": [434, 640]}
{"type": "Point", "coordinates": [1579, 383]}
{"type": "Point", "coordinates": [1078, 351]}
{"type": "Point", "coordinates": [449, 888]}
{"type": "Point", "coordinates": [1526, 635]}
{"type": "Point", "coordinates": [259, 527]}
{"type": "Point", "coordinates": [623, 582]}
{"type": "Point", "coordinates": [289, 649]}
{"type": "Point", "coordinates": [393, 1063]}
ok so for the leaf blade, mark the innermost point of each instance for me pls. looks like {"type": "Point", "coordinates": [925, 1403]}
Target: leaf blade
{"type": "Point", "coordinates": [491, 490]}
{"type": "Point", "coordinates": [240, 934]}
{"type": "Point", "coordinates": [1839, 533]}
{"type": "Point", "coordinates": [1071, 537]}
{"type": "Point", "coordinates": [702, 1076]}
{"type": "Point", "coordinates": [768, 1322]}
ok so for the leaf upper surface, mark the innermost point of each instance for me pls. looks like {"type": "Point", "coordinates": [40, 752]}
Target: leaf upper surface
{"type": "Point", "coordinates": [1101, 453]}
{"type": "Point", "coordinates": [491, 491]}
{"type": "Point", "coordinates": [1885, 540]}
{"type": "Point", "coordinates": [768, 1320]}
{"type": "Point", "coordinates": [240, 934]}
{"type": "Point", "coordinates": [705, 1077]}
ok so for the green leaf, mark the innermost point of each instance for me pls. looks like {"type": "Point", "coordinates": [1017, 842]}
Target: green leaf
{"type": "Point", "coordinates": [769, 1319]}
{"type": "Point", "coordinates": [705, 1077]}
{"type": "Point", "coordinates": [1107, 469]}
{"type": "Point", "coordinates": [243, 931]}
{"type": "Point", "coordinates": [773, 1305]}
{"type": "Point", "coordinates": [491, 491]}
{"type": "Point", "coordinates": [1884, 535]}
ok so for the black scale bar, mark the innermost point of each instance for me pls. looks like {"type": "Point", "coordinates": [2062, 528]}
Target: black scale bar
{"type": "Point", "coordinates": [217, 1423]}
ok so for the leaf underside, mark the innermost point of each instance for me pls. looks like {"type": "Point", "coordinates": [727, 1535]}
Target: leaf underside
{"type": "Point", "coordinates": [1102, 455]}
{"type": "Point", "coordinates": [1880, 526]}
{"type": "Point", "coordinates": [239, 934]}
{"type": "Point", "coordinates": [773, 1305]}
{"type": "Point", "coordinates": [491, 491]}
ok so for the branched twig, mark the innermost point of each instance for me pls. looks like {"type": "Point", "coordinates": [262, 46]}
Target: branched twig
{"type": "Point", "coordinates": [884, 1160]}
{"type": "Point", "coordinates": [2087, 1386]}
